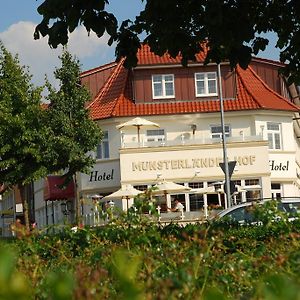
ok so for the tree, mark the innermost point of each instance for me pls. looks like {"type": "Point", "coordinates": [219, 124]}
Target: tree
{"type": "Point", "coordinates": [73, 133]}
{"type": "Point", "coordinates": [22, 132]}
{"type": "Point", "coordinates": [232, 28]}
{"type": "Point", "coordinates": [35, 141]}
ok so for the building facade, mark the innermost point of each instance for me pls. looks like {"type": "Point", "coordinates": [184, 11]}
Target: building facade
{"type": "Point", "coordinates": [261, 128]}
{"type": "Point", "coordinates": [262, 131]}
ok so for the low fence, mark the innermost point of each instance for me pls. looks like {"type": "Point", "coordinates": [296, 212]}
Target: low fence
{"type": "Point", "coordinates": [100, 218]}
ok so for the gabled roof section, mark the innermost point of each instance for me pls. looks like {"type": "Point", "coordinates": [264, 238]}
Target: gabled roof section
{"type": "Point", "coordinates": [115, 100]}
{"type": "Point", "coordinates": [261, 93]}
{"type": "Point", "coordinates": [97, 69]}
{"type": "Point", "coordinates": [113, 90]}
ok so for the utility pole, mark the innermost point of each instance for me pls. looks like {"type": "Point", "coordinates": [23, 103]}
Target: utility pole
{"type": "Point", "coordinates": [225, 159]}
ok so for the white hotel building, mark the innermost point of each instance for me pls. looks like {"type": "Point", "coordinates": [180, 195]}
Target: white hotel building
{"type": "Point", "coordinates": [261, 125]}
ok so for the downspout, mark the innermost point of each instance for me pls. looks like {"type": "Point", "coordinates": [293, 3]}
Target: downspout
{"type": "Point", "coordinates": [295, 97]}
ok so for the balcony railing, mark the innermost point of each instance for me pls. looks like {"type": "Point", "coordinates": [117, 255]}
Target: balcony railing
{"type": "Point", "coordinates": [182, 141]}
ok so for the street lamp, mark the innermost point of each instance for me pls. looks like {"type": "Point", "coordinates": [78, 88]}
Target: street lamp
{"type": "Point", "coordinates": [225, 159]}
{"type": "Point", "coordinates": [66, 207]}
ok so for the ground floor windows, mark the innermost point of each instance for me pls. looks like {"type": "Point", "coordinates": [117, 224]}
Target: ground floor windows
{"type": "Point", "coordinates": [253, 190]}
{"type": "Point", "coordinates": [142, 187]}
{"type": "Point", "coordinates": [196, 200]}
{"type": "Point", "coordinates": [276, 191]}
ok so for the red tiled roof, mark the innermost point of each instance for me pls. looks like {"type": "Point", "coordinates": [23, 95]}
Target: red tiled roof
{"type": "Point", "coordinates": [97, 69]}
{"type": "Point", "coordinates": [113, 101]}
{"type": "Point", "coordinates": [146, 57]}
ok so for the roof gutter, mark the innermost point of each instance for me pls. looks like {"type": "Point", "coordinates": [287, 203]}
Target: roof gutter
{"type": "Point", "coordinates": [167, 66]}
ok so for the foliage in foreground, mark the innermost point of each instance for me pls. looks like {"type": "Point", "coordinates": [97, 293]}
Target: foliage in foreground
{"type": "Point", "coordinates": [136, 260]}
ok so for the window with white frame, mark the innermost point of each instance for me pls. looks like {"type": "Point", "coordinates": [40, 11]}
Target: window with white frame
{"type": "Point", "coordinates": [216, 131]}
{"type": "Point", "coordinates": [163, 86]}
{"type": "Point", "coordinates": [276, 190]}
{"type": "Point", "coordinates": [103, 147]}
{"type": "Point", "coordinates": [255, 192]}
{"type": "Point", "coordinates": [274, 135]}
{"type": "Point", "coordinates": [196, 200]}
{"type": "Point", "coordinates": [155, 135]}
{"type": "Point", "coordinates": [206, 84]}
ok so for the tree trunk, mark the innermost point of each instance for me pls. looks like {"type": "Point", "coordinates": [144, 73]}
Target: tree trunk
{"type": "Point", "coordinates": [23, 194]}
{"type": "Point", "coordinates": [77, 201]}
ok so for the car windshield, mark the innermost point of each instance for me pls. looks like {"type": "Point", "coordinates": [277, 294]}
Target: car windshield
{"type": "Point", "coordinates": [245, 214]}
{"type": "Point", "coordinates": [241, 214]}
{"type": "Point", "coordinates": [290, 208]}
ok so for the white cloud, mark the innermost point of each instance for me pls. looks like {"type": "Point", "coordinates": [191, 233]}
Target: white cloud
{"type": "Point", "coordinates": [41, 59]}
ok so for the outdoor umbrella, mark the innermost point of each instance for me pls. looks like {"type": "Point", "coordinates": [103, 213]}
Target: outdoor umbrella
{"type": "Point", "coordinates": [138, 123]}
{"type": "Point", "coordinates": [126, 192]}
{"type": "Point", "coordinates": [204, 190]}
{"type": "Point", "coordinates": [169, 187]}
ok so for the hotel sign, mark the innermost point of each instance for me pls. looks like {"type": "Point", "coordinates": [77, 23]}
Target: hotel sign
{"type": "Point", "coordinates": [105, 174]}
{"type": "Point", "coordinates": [145, 166]}
{"type": "Point", "coordinates": [176, 164]}
{"type": "Point", "coordinates": [279, 166]}
{"type": "Point", "coordinates": [97, 175]}
{"type": "Point", "coordinates": [282, 165]}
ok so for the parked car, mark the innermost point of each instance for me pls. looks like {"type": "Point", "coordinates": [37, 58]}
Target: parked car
{"type": "Point", "coordinates": [244, 212]}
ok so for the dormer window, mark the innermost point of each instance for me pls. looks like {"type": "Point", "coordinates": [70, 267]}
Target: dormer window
{"type": "Point", "coordinates": [206, 84]}
{"type": "Point", "coordinates": [163, 86]}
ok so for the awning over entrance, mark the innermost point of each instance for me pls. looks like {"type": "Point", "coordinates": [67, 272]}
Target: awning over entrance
{"type": "Point", "coordinates": [52, 190]}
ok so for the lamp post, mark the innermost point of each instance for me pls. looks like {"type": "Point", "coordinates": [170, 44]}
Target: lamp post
{"type": "Point", "coordinates": [225, 159]}
{"type": "Point", "coordinates": [66, 209]}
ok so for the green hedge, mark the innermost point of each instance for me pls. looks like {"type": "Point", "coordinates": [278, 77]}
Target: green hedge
{"type": "Point", "coordinates": [139, 260]}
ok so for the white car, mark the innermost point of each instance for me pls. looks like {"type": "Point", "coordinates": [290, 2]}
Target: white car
{"type": "Point", "coordinates": [243, 213]}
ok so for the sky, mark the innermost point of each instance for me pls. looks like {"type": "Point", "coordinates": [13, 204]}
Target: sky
{"type": "Point", "coordinates": [18, 19]}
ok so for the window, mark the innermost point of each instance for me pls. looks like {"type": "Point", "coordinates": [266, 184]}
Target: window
{"type": "Point", "coordinates": [196, 200]}
{"type": "Point", "coordinates": [276, 190]}
{"type": "Point", "coordinates": [254, 193]}
{"type": "Point", "coordinates": [206, 84]}
{"type": "Point", "coordinates": [216, 131]}
{"type": "Point", "coordinates": [155, 135]}
{"type": "Point", "coordinates": [274, 135]}
{"type": "Point", "coordinates": [163, 86]}
{"type": "Point", "coordinates": [103, 147]}
{"type": "Point", "coordinates": [142, 187]}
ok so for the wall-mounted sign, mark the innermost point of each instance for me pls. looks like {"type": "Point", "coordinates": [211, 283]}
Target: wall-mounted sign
{"type": "Point", "coordinates": [282, 165]}
{"type": "Point", "coordinates": [174, 164]}
{"type": "Point", "coordinates": [279, 166]}
{"type": "Point", "coordinates": [145, 166]}
{"type": "Point", "coordinates": [97, 175]}
{"type": "Point", "coordinates": [105, 174]}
